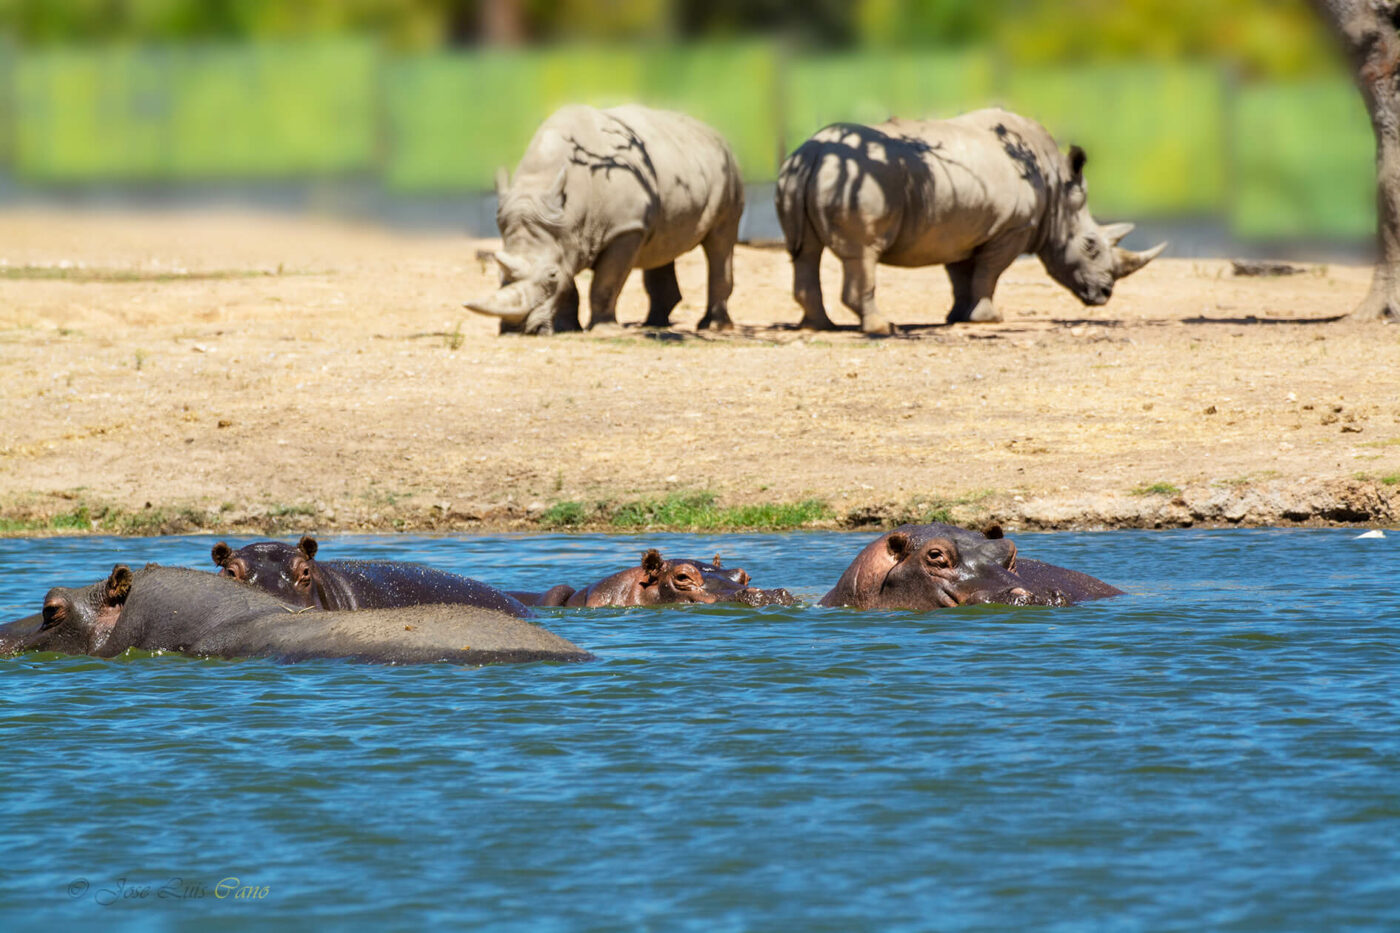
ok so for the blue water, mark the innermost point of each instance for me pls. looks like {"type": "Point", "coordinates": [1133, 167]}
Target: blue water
{"type": "Point", "coordinates": [1219, 750]}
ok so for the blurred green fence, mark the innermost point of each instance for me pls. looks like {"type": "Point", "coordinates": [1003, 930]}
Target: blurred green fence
{"type": "Point", "coordinates": [191, 113]}
{"type": "Point", "coordinates": [1305, 160]}
{"type": "Point", "coordinates": [1272, 160]}
{"type": "Point", "coordinates": [452, 119]}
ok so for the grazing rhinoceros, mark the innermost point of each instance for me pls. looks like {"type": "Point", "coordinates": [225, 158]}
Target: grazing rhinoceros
{"type": "Point", "coordinates": [972, 193]}
{"type": "Point", "coordinates": [613, 190]}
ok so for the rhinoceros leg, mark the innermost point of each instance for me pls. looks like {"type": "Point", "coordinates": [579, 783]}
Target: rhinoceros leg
{"type": "Point", "coordinates": [807, 284]}
{"type": "Point", "coordinates": [858, 292]}
{"type": "Point", "coordinates": [609, 273]}
{"type": "Point", "coordinates": [974, 282]}
{"type": "Point", "coordinates": [719, 260]}
{"type": "Point", "coordinates": [566, 310]}
{"type": "Point", "coordinates": [664, 293]}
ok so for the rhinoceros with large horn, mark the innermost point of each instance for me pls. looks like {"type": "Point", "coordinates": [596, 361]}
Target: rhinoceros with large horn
{"type": "Point", "coordinates": [613, 190]}
{"type": "Point", "coordinates": [971, 193]}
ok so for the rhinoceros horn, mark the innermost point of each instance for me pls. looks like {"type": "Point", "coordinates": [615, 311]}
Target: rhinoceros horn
{"type": "Point", "coordinates": [513, 301]}
{"type": "Point", "coordinates": [1126, 262]}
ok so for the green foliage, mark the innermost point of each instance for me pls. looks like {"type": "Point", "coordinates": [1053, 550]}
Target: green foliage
{"type": "Point", "coordinates": [1157, 489]}
{"type": "Point", "coordinates": [686, 512]}
{"type": "Point", "coordinates": [235, 111]}
{"type": "Point", "coordinates": [1391, 480]}
{"type": "Point", "coordinates": [1304, 160]}
{"type": "Point", "coordinates": [565, 515]}
{"type": "Point", "coordinates": [870, 87]}
{"type": "Point", "coordinates": [1154, 133]}
{"type": "Point", "coordinates": [455, 118]}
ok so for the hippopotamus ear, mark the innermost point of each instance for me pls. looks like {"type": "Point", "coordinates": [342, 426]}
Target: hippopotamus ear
{"type": "Point", "coordinates": [993, 532]}
{"type": "Point", "coordinates": [898, 545]}
{"type": "Point", "coordinates": [651, 563]}
{"type": "Point", "coordinates": [307, 546]}
{"type": "Point", "coordinates": [717, 564]}
{"type": "Point", "coordinates": [118, 585]}
{"type": "Point", "coordinates": [1077, 158]}
{"type": "Point", "coordinates": [221, 553]}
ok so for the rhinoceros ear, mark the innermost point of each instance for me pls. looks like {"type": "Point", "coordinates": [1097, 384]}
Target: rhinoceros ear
{"type": "Point", "coordinates": [512, 302]}
{"type": "Point", "coordinates": [221, 553]}
{"type": "Point", "coordinates": [307, 546]}
{"type": "Point", "coordinates": [1077, 158]}
{"type": "Point", "coordinates": [118, 585]}
{"type": "Point", "coordinates": [502, 183]}
{"type": "Point", "coordinates": [512, 267]}
{"type": "Point", "coordinates": [1113, 233]}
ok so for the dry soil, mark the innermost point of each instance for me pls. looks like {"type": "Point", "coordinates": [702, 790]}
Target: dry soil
{"type": "Point", "coordinates": [232, 371]}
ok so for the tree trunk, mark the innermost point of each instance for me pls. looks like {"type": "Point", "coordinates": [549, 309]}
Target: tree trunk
{"type": "Point", "coordinates": [1369, 31]}
{"type": "Point", "coordinates": [502, 22]}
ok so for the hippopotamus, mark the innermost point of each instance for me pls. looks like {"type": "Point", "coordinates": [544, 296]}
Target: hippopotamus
{"type": "Point", "coordinates": [971, 193]}
{"type": "Point", "coordinates": [613, 190]}
{"type": "Point", "coordinates": [207, 615]}
{"type": "Point", "coordinates": [656, 580]}
{"type": "Point", "coordinates": [938, 566]}
{"type": "Point", "coordinates": [294, 574]}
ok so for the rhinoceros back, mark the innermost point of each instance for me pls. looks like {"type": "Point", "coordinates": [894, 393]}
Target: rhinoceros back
{"type": "Point", "coordinates": [635, 168]}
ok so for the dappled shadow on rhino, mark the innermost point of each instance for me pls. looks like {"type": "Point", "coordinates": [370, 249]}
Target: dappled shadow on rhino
{"type": "Point", "coordinates": [657, 581]}
{"type": "Point", "coordinates": [971, 193]}
{"type": "Point", "coordinates": [612, 191]}
{"type": "Point", "coordinates": [936, 566]}
{"type": "Point", "coordinates": [206, 615]}
{"type": "Point", "coordinates": [294, 574]}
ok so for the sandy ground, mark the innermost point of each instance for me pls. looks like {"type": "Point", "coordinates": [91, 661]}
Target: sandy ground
{"type": "Point", "coordinates": [257, 372]}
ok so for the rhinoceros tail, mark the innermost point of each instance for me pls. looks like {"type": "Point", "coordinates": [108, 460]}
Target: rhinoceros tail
{"type": "Point", "coordinates": [794, 178]}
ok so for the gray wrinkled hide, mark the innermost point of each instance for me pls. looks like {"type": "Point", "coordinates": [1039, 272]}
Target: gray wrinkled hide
{"type": "Point", "coordinates": [203, 614]}
{"type": "Point", "coordinates": [613, 190]}
{"type": "Point", "coordinates": [971, 193]}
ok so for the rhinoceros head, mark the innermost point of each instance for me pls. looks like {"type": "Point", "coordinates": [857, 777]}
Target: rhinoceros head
{"type": "Point", "coordinates": [1081, 255]}
{"type": "Point", "coordinates": [531, 260]}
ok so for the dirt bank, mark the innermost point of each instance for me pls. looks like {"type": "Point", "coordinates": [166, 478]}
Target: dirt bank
{"type": "Point", "coordinates": [258, 373]}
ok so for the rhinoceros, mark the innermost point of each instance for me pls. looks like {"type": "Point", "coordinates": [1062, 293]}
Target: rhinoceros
{"type": "Point", "coordinates": [971, 193]}
{"type": "Point", "coordinates": [613, 190]}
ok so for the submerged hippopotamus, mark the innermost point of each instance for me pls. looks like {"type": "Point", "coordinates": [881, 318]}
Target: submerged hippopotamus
{"type": "Point", "coordinates": [294, 574]}
{"type": "Point", "coordinates": [656, 581]}
{"type": "Point", "coordinates": [938, 566]}
{"type": "Point", "coordinates": [208, 615]}
{"type": "Point", "coordinates": [971, 193]}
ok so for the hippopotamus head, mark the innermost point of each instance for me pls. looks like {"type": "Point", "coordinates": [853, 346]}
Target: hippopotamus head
{"type": "Point", "coordinates": [74, 621]}
{"type": "Point", "coordinates": [728, 584]}
{"type": "Point", "coordinates": [280, 569]}
{"type": "Point", "coordinates": [1078, 253]}
{"type": "Point", "coordinates": [536, 286]}
{"type": "Point", "coordinates": [936, 566]}
{"type": "Point", "coordinates": [672, 581]}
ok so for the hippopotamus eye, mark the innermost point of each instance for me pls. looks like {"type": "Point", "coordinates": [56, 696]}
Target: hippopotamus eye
{"type": "Point", "coordinates": [938, 557]}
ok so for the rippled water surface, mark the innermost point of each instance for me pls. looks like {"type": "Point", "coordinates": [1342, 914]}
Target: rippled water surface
{"type": "Point", "coordinates": [1218, 750]}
